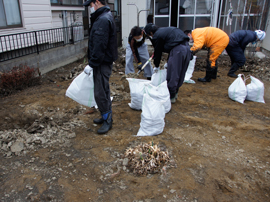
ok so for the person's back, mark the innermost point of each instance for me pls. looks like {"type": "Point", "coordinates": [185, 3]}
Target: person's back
{"type": "Point", "coordinates": [171, 36]}
{"type": "Point", "coordinates": [242, 38]}
{"type": "Point", "coordinates": [207, 36]}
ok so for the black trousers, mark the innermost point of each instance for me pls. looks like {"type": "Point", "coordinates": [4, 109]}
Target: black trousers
{"type": "Point", "coordinates": [237, 57]}
{"type": "Point", "coordinates": [177, 66]}
{"type": "Point", "coordinates": [101, 76]}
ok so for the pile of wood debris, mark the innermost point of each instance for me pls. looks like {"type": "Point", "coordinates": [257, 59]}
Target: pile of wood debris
{"type": "Point", "coordinates": [146, 158]}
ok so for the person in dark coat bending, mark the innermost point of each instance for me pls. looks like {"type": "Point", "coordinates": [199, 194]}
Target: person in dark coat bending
{"type": "Point", "coordinates": [174, 41]}
{"type": "Point", "coordinates": [102, 52]}
{"type": "Point", "coordinates": [236, 47]}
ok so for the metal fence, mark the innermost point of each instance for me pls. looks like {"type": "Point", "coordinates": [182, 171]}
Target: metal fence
{"type": "Point", "coordinates": [21, 44]}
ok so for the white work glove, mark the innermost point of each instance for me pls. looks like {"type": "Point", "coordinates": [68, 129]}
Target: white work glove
{"type": "Point", "coordinates": [156, 69]}
{"type": "Point", "coordinates": [166, 65]}
{"type": "Point", "coordinates": [87, 70]}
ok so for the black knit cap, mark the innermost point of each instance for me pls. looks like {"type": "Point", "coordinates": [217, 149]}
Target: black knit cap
{"type": "Point", "coordinates": [87, 3]}
{"type": "Point", "coordinates": [148, 28]}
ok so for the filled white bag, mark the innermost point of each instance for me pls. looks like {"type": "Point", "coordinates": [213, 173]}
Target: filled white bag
{"type": "Point", "coordinates": [255, 90]}
{"type": "Point", "coordinates": [160, 93]}
{"type": "Point", "coordinates": [81, 89]}
{"type": "Point", "coordinates": [152, 117]}
{"type": "Point", "coordinates": [190, 70]}
{"type": "Point", "coordinates": [137, 89]}
{"type": "Point", "coordinates": [159, 77]}
{"type": "Point", "coordinates": [237, 90]}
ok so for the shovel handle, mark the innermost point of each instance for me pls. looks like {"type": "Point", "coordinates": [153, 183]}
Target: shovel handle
{"type": "Point", "coordinates": [146, 63]}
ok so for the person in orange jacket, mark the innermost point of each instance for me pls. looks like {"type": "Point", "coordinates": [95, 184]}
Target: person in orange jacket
{"type": "Point", "coordinates": [215, 40]}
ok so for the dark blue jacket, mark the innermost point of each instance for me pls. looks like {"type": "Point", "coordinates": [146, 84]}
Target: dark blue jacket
{"type": "Point", "coordinates": [165, 39]}
{"type": "Point", "coordinates": [242, 38]}
{"type": "Point", "coordinates": [102, 44]}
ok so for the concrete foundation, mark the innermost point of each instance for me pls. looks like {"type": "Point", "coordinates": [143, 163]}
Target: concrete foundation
{"type": "Point", "coordinates": [50, 59]}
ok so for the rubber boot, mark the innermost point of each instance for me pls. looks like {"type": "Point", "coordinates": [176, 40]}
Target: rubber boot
{"type": "Point", "coordinates": [207, 77]}
{"type": "Point", "coordinates": [233, 69]}
{"type": "Point", "coordinates": [107, 123]}
{"type": "Point", "coordinates": [214, 73]}
{"type": "Point", "coordinates": [98, 121]}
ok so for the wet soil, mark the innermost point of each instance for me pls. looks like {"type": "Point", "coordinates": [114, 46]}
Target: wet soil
{"type": "Point", "coordinates": [219, 148]}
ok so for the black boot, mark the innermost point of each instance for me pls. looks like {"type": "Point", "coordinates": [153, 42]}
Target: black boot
{"type": "Point", "coordinates": [214, 73]}
{"type": "Point", "coordinates": [107, 123]}
{"type": "Point", "coordinates": [98, 121]}
{"type": "Point", "coordinates": [233, 69]}
{"type": "Point", "coordinates": [207, 77]}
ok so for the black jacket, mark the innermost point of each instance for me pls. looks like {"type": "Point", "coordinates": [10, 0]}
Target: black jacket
{"type": "Point", "coordinates": [165, 39]}
{"type": "Point", "coordinates": [102, 44]}
{"type": "Point", "coordinates": [242, 38]}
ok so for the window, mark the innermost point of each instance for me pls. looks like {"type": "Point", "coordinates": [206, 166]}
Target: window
{"type": "Point", "coordinates": [10, 15]}
{"type": "Point", "coordinates": [67, 2]}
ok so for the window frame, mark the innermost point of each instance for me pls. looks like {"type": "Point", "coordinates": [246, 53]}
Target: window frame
{"type": "Point", "coordinates": [61, 4]}
{"type": "Point", "coordinates": [12, 26]}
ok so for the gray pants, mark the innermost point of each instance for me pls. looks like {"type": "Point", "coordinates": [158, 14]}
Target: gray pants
{"type": "Point", "coordinates": [101, 76]}
{"type": "Point", "coordinates": [144, 55]}
{"type": "Point", "coordinates": [177, 66]}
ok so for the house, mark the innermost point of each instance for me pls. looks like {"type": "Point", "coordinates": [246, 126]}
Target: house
{"type": "Point", "coordinates": [191, 14]}
{"type": "Point", "coordinates": [29, 28]}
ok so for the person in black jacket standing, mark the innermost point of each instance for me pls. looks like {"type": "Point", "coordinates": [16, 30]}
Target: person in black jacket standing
{"type": "Point", "coordinates": [102, 52]}
{"type": "Point", "coordinates": [175, 42]}
{"type": "Point", "coordinates": [236, 47]}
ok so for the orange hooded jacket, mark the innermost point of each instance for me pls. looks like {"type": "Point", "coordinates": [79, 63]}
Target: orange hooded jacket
{"type": "Point", "coordinates": [210, 37]}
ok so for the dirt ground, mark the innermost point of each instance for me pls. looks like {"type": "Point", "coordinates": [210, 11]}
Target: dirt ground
{"type": "Point", "coordinates": [219, 148]}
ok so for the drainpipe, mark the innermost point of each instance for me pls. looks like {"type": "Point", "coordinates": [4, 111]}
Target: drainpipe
{"type": "Point", "coordinates": [138, 12]}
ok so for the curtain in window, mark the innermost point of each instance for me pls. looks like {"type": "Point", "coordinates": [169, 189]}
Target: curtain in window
{"type": "Point", "coordinates": [12, 12]}
{"type": "Point", "coordinates": [2, 15]}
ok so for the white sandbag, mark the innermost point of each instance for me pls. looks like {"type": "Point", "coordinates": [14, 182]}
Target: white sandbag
{"type": "Point", "coordinates": [152, 117]}
{"type": "Point", "coordinates": [81, 89]}
{"type": "Point", "coordinates": [159, 77]}
{"type": "Point", "coordinates": [160, 93]}
{"type": "Point", "coordinates": [190, 70]}
{"type": "Point", "coordinates": [137, 89]}
{"type": "Point", "coordinates": [255, 90]}
{"type": "Point", "coordinates": [237, 90]}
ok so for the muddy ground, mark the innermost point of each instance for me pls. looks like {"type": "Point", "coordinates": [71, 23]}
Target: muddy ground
{"type": "Point", "coordinates": [219, 148]}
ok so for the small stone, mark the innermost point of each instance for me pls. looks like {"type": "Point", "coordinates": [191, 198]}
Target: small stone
{"type": "Point", "coordinates": [125, 162]}
{"type": "Point", "coordinates": [172, 191]}
{"type": "Point", "coordinates": [17, 146]}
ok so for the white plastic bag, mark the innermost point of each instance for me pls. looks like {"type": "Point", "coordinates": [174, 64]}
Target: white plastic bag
{"type": "Point", "coordinates": [160, 93]}
{"type": "Point", "coordinates": [152, 117]}
{"type": "Point", "coordinates": [255, 90]}
{"type": "Point", "coordinates": [159, 77]}
{"type": "Point", "coordinates": [237, 90]}
{"type": "Point", "coordinates": [81, 89]}
{"type": "Point", "coordinates": [137, 89]}
{"type": "Point", "coordinates": [190, 70]}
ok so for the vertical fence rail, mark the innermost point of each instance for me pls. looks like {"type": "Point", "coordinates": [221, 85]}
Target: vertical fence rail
{"type": "Point", "coordinates": [22, 44]}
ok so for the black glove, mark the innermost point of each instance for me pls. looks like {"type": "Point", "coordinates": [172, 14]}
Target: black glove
{"type": "Point", "coordinates": [139, 67]}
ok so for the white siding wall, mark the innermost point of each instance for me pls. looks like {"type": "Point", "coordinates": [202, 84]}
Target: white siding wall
{"type": "Point", "coordinates": [36, 15]}
{"type": "Point", "coordinates": [266, 41]}
{"type": "Point", "coordinates": [129, 17]}
{"type": "Point", "coordinates": [39, 15]}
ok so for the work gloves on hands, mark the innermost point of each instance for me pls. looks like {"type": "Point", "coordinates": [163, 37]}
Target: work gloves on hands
{"type": "Point", "coordinates": [87, 70]}
{"type": "Point", "coordinates": [139, 67]}
{"type": "Point", "coordinates": [156, 69]}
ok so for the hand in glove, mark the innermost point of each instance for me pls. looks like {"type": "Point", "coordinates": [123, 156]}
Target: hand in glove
{"type": "Point", "coordinates": [156, 69]}
{"type": "Point", "coordinates": [87, 70]}
{"type": "Point", "coordinates": [139, 67]}
{"type": "Point", "coordinates": [166, 65]}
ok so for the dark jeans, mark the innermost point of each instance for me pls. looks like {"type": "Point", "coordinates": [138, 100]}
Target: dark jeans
{"type": "Point", "coordinates": [101, 76]}
{"type": "Point", "coordinates": [177, 66]}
